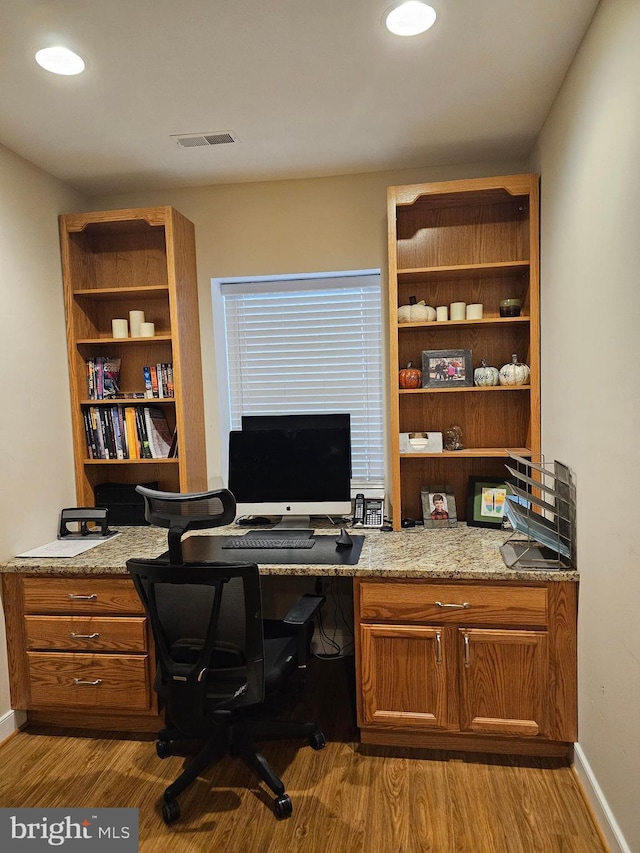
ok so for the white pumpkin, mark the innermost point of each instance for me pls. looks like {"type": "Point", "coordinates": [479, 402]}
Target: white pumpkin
{"type": "Point", "coordinates": [484, 375]}
{"type": "Point", "coordinates": [514, 373]}
{"type": "Point", "coordinates": [416, 312]}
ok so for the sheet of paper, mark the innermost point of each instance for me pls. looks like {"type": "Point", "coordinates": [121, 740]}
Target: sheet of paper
{"type": "Point", "coordinates": [66, 547]}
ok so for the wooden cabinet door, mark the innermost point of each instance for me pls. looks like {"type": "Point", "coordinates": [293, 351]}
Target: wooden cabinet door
{"type": "Point", "coordinates": [504, 683]}
{"type": "Point", "coordinates": [403, 676]}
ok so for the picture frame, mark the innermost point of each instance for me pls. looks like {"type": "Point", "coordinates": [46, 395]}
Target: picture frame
{"type": "Point", "coordinates": [438, 507]}
{"type": "Point", "coordinates": [447, 368]}
{"type": "Point", "coordinates": [486, 501]}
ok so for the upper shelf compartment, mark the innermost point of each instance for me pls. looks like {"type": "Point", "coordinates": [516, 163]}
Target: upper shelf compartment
{"type": "Point", "coordinates": [458, 234]}
{"type": "Point", "coordinates": [121, 253]}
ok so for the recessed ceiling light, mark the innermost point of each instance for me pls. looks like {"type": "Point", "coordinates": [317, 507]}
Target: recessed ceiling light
{"type": "Point", "coordinates": [410, 18]}
{"type": "Point", "coordinates": [60, 60]}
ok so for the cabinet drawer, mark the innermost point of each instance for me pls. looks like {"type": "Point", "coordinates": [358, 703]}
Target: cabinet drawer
{"type": "Point", "coordinates": [458, 604]}
{"type": "Point", "coordinates": [87, 633]}
{"type": "Point", "coordinates": [89, 681]}
{"type": "Point", "coordinates": [81, 595]}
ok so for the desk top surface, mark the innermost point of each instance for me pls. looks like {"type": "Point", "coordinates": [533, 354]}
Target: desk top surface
{"type": "Point", "coordinates": [464, 553]}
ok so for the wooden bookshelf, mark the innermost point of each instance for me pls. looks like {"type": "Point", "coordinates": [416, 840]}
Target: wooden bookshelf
{"type": "Point", "coordinates": [114, 262]}
{"type": "Point", "coordinates": [463, 241]}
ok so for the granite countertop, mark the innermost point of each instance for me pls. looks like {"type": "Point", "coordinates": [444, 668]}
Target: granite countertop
{"type": "Point", "coordinates": [465, 553]}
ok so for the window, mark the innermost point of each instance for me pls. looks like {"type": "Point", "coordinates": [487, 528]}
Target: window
{"type": "Point", "coordinates": [306, 344]}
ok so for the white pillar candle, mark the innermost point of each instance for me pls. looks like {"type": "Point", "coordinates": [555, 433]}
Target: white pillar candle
{"type": "Point", "coordinates": [474, 312]}
{"type": "Point", "coordinates": [136, 318]}
{"type": "Point", "coordinates": [457, 310]}
{"type": "Point", "coordinates": [442, 313]}
{"type": "Point", "coordinates": [120, 328]}
{"type": "Point", "coordinates": [147, 330]}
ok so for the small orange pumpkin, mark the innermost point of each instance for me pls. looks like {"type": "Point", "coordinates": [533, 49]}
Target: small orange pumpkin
{"type": "Point", "coordinates": [410, 377]}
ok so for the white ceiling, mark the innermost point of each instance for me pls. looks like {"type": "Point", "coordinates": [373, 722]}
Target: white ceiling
{"type": "Point", "coordinates": [310, 87]}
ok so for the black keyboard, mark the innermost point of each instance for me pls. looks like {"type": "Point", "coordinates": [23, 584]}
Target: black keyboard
{"type": "Point", "coordinates": [270, 542]}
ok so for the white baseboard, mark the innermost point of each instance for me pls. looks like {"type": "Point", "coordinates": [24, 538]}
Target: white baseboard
{"type": "Point", "coordinates": [602, 813]}
{"type": "Point", "coordinates": [10, 722]}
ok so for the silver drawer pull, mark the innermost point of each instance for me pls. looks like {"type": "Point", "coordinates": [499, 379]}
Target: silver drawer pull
{"type": "Point", "coordinates": [80, 683]}
{"type": "Point", "coordinates": [91, 597]}
{"type": "Point", "coordinates": [464, 606]}
{"type": "Point", "coordinates": [93, 636]}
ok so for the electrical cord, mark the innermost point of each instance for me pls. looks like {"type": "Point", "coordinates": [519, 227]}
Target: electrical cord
{"type": "Point", "coordinates": [339, 615]}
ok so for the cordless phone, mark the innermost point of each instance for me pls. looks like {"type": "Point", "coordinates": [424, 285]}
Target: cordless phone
{"type": "Point", "coordinates": [368, 512]}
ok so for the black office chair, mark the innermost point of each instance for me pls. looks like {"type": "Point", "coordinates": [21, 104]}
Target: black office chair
{"type": "Point", "coordinates": [214, 663]}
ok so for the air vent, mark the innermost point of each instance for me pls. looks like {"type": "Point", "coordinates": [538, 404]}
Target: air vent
{"type": "Point", "coordinates": [196, 140]}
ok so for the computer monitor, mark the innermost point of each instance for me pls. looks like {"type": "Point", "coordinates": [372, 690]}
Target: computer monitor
{"type": "Point", "coordinates": [306, 421]}
{"type": "Point", "coordinates": [291, 472]}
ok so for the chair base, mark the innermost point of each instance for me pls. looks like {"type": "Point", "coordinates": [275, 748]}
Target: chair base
{"type": "Point", "coordinates": [236, 737]}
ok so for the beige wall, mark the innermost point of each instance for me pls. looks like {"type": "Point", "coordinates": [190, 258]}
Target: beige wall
{"type": "Point", "coordinates": [281, 227]}
{"type": "Point", "coordinates": [589, 157]}
{"type": "Point", "coordinates": [35, 428]}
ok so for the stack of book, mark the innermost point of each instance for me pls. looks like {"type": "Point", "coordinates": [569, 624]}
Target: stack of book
{"type": "Point", "coordinates": [103, 377]}
{"type": "Point", "coordinates": [128, 432]}
{"type": "Point", "coordinates": [158, 380]}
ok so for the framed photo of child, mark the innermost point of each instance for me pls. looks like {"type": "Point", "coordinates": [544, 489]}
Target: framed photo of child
{"type": "Point", "coordinates": [438, 507]}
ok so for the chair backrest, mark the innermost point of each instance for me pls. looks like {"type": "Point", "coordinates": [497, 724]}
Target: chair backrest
{"type": "Point", "coordinates": [206, 620]}
{"type": "Point", "coordinates": [188, 511]}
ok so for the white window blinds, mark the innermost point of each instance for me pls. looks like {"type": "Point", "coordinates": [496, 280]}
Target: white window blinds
{"type": "Point", "coordinates": [307, 346]}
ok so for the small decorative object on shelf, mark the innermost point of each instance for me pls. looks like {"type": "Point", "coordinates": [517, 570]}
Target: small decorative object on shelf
{"type": "Point", "coordinates": [474, 311]}
{"type": "Point", "coordinates": [416, 312]}
{"type": "Point", "coordinates": [420, 442]}
{"type": "Point", "coordinates": [410, 377]}
{"type": "Point", "coordinates": [457, 310]}
{"type": "Point", "coordinates": [446, 368]}
{"type": "Point", "coordinates": [483, 376]}
{"type": "Point", "coordinates": [136, 318]}
{"type": "Point", "coordinates": [453, 438]}
{"type": "Point", "coordinates": [514, 373]}
{"type": "Point", "coordinates": [438, 507]}
{"type": "Point", "coordinates": [120, 328]}
{"type": "Point", "coordinates": [147, 330]}
{"type": "Point", "coordinates": [442, 313]}
{"type": "Point", "coordinates": [510, 308]}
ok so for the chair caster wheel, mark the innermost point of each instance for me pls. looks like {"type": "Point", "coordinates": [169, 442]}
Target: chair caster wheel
{"type": "Point", "coordinates": [317, 740]}
{"type": "Point", "coordinates": [163, 748]}
{"type": "Point", "coordinates": [283, 807]}
{"type": "Point", "coordinates": [170, 811]}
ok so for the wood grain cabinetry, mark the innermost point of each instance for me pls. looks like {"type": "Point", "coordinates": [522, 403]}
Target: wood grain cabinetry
{"type": "Point", "coordinates": [135, 259]}
{"type": "Point", "coordinates": [80, 651]}
{"type": "Point", "coordinates": [471, 241]}
{"type": "Point", "coordinates": [466, 665]}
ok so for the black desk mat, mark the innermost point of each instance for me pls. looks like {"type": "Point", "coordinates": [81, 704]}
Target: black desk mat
{"type": "Point", "coordinates": [324, 552]}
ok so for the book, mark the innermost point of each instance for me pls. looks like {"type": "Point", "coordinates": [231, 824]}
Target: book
{"type": "Point", "coordinates": [111, 380]}
{"type": "Point", "coordinates": [148, 388]}
{"type": "Point", "coordinates": [133, 443]}
{"type": "Point", "coordinates": [145, 449]}
{"type": "Point", "coordinates": [154, 380]}
{"type": "Point", "coordinates": [160, 434]}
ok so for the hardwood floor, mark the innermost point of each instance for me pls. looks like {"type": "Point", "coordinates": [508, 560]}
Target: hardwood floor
{"type": "Point", "coordinates": [344, 801]}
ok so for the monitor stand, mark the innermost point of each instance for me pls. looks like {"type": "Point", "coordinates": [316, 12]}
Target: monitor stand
{"type": "Point", "coordinates": [293, 522]}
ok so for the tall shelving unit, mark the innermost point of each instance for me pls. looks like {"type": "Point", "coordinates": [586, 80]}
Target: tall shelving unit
{"type": "Point", "coordinates": [471, 241]}
{"type": "Point", "coordinates": [135, 259]}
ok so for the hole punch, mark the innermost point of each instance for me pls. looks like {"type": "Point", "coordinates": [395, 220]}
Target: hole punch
{"type": "Point", "coordinates": [83, 517]}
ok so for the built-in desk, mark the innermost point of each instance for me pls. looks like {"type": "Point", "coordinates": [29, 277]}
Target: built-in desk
{"type": "Point", "coordinates": [453, 650]}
